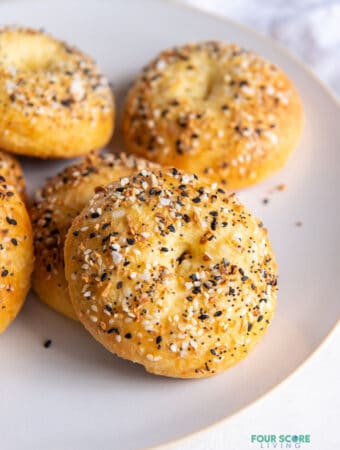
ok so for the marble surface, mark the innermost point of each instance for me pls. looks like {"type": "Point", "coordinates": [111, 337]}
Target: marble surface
{"type": "Point", "coordinates": [309, 28]}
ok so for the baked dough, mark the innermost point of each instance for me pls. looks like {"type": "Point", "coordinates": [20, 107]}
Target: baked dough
{"type": "Point", "coordinates": [216, 110]}
{"type": "Point", "coordinates": [16, 254]}
{"type": "Point", "coordinates": [54, 208]}
{"type": "Point", "coordinates": [11, 173]}
{"type": "Point", "coordinates": [54, 101]}
{"type": "Point", "coordinates": [171, 272]}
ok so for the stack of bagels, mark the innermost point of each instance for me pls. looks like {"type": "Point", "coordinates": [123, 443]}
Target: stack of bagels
{"type": "Point", "coordinates": [149, 248]}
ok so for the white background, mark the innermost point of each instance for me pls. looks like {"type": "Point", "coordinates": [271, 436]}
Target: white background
{"type": "Point", "coordinates": [308, 402]}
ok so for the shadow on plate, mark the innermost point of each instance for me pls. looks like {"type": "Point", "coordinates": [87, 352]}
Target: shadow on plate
{"type": "Point", "coordinates": [72, 343]}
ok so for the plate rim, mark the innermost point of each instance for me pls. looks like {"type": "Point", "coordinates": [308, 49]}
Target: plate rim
{"type": "Point", "coordinates": [334, 97]}
{"type": "Point", "coordinates": [331, 333]}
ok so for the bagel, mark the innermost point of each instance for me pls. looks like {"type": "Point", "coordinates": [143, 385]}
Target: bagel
{"type": "Point", "coordinates": [11, 173]}
{"type": "Point", "coordinates": [216, 110]}
{"type": "Point", "coordinates": [16, 253]}
{"type": "Point", "coordinates": [52, 212]}
{"type": "Point", "coordinates": [169, 271]}
{"type": "Point", "coordinates": [54, 101]}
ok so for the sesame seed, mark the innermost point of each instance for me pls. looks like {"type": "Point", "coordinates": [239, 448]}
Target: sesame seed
{"type": "Point", "coordinates": [11, 221]}
{"type": "Point", "coordinates": [203, 316]}
{"type": "Point", "coordinates": [173, 348]}
{"type": "Point", "coordinates": [48, 343]}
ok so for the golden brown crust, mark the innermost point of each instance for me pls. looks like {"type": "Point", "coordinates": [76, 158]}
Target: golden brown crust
{"type": "Point", "coordinates": [54, 208]}
{"type": "Point", "coordinates": [171, 272]}
{"type": "Point", "coordinates": [54, 101]}
{"type": "Point", "coordinates": [12, 174]}
{"type": "Point", "coordinates": [216, 110]}
{"type": "Point", "coordinates": [16, 254]}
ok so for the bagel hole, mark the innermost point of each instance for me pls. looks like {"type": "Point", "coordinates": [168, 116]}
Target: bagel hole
{"type": "Point", "coordinates": [32, 52]}
{"type": "Point", "coordinates": [184, 255]}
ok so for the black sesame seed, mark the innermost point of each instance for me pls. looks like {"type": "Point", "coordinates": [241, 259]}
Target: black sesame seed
{"type": "Point", "coordinates": [128, 336]}
{"type": "Point", "coordinates": [112, 330]}
{"type": "Point", "coordinates": [218, 314]}
{"type": "Point", "coordinates": [11, 221]}
{"type": "Point", "coordinates": [259, 318]}
{"type": "Point", "coordinates": [130, 241]}
{"type": "Point", "coordinates": [171, 228]}
{"type": "Point", "coordinates": [76, 233]}
{"type": "Point", "coordinates": [158, 339]}
{"type": "Point", "coordinates": [164, 249]}
{"type": "Point", "coordinates": [196, 200]}
{"type": "Point", "coordinates": [48, 343]}
{"type": "Point", "coordinates": [203, 316]}
{"type": "Point", "coordinates": [95, 214]}
{"type": "Point", "coordinates": [4, 273]}
{"type": "Point", "coordinates": [250, 326]}
{"type": "Point", "coordinates": [104, 276]}
{"type": "Point", "coordinates": [67, 102]}
{"type": "Point", "coordinates": [14, 241]}
{"type": "Point", "coordinates": [119, 284]}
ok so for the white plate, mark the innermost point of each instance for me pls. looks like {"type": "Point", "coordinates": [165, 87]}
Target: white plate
{"type": "Point", "coordinates": [77, 395]}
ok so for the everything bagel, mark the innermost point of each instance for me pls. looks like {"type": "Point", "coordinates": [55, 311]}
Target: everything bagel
{"type": "Point", "coordinates": [171, 272]}
{"type": "Point", "coordinates": [52, 213]}
{"type": "Point", "coordinates": [54, 101]}
{"type": "Point", "coordinates": [11, 173]}
{"type": "Point", "coordinates": [16, 253]}
{"type": "Point", "coordinates": [216, 110]}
